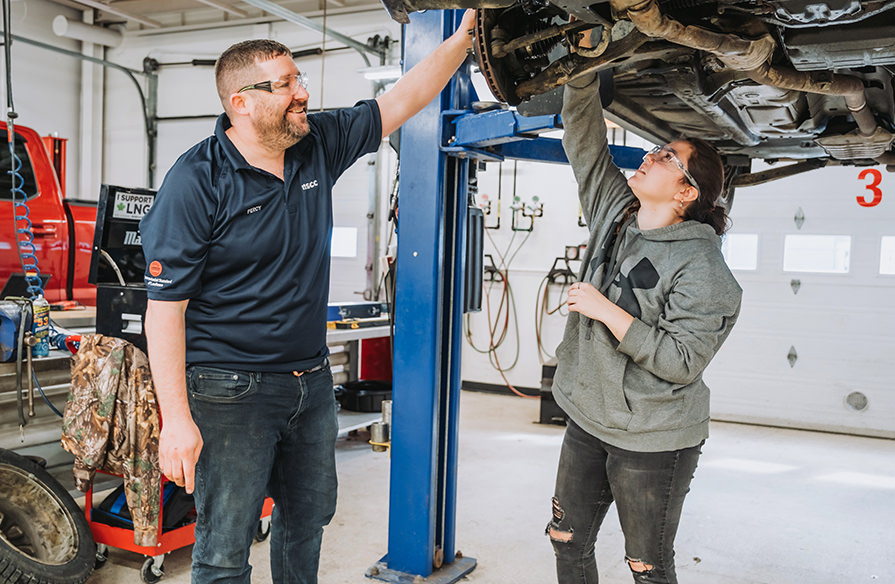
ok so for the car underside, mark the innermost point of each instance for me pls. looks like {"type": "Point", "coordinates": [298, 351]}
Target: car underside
{"type": "Point", "coordinates": [805, 80]}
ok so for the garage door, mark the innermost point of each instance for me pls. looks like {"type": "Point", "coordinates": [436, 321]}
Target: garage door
{"type": "Point", "coordinates": [815, 344]}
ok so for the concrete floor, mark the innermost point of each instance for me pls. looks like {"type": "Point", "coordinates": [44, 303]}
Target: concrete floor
{"type": "Point", "coordinates": [767, 506]}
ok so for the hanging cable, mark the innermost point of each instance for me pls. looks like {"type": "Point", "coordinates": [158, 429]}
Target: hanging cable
{"type": "Point", "coordinates": [24, 237]}
{"type": "Point", "coordinates": [542, 310]}
{"type": "Point", "coordinates": [497, 332]}
{"type": "Point", "coordinates": [392, 218]}
{"type": "Point", "coordinates": [323, 56]}
{"type": "Point", "coordinates": [43, 395]}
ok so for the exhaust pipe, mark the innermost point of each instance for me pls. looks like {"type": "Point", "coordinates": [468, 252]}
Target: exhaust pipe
{"type": "Point", "coordinates": [851, 88]}
{"type": "Point", "coordinates": [753, 57]}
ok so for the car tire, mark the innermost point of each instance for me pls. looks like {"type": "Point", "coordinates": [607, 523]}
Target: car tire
{"type": "Point", "coordinates": [44, 536]}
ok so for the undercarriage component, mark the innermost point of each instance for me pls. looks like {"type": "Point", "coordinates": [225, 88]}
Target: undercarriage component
{"type": "Point", "coordinates": [751, 56]}
{"type": "Point", "coordinates": [856, 145]}
{"type": "Point", "coordinates": [869, 43]}
{"type": "Point", "coordinates": [712, 68]}
{"type": "Point", "coordinates": [513, 47]}
{"type": "Point", "coordinates": [765, 176]}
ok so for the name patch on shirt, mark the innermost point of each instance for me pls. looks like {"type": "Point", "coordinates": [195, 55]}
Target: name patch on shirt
{"type": "Point", "coordinates": [254, 209]}
{"type": "Point", "coordinates": [308, 185]}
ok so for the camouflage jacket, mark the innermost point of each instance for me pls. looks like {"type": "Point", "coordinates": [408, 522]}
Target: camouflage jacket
{"type": "Point", "coordinates": [112, 423]}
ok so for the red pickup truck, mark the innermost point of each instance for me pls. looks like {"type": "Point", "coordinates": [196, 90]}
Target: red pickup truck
{"type": "Point", "coordinates": [62, 228]}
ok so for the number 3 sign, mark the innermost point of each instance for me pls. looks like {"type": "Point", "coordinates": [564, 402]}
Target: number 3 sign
{"type": "Point", "coordinates": [873, 186]}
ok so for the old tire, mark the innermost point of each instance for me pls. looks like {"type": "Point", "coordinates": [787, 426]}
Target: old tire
{"type": "Point", "coordinates": [44, 537]}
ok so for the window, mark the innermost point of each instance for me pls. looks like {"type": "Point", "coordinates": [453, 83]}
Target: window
{"type": "Point", "coordinates": [344, 242]}
{"type": "Point", "coordinates": [828, 254]}
{"type": "Point", "coordinates": [27, 171]}
{"type": "Point", "coordinates": [887, 255]}
{"type": "Point", "coordinates": [741, 250]}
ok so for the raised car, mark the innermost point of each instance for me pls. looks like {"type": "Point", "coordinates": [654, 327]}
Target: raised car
{"type": "Point", "coordinates": [804, 80]}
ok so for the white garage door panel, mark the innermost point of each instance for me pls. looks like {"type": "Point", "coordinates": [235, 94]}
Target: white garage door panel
{"type": "Point", "coordinates": [842, 326]}
{"type": "Point", "coordinates": [793, 401]}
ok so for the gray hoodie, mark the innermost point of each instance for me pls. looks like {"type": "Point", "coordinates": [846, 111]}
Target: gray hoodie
{"type": "Point", "coordinates": [645, 393]}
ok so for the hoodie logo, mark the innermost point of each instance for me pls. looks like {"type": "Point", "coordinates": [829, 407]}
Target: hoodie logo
{"type": "Point", "coordinates": [643, 276]}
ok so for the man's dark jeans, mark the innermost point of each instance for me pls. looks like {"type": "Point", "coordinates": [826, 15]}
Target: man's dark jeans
{"type": "Point", "coordinates": [264, 434]}
{"type": "Point", "coordinates": [648, 489]}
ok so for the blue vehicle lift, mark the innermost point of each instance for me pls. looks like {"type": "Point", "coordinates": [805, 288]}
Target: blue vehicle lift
{"type": "Point", "coordinates": [438, 152]}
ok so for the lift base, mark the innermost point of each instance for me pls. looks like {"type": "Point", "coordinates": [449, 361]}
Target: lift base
{"type": "Point", "coordinates": [447, 574]}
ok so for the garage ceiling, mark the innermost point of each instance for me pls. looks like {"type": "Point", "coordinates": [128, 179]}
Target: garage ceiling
{"type": "Point", "coordinates": [159, 16]}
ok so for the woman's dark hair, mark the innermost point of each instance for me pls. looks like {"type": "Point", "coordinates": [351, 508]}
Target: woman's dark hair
{"type": "Point", "coordinates": [707, 168]}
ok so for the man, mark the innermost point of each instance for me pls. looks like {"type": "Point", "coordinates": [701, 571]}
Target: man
{"type": "Point", "coordinates": [237, 251]}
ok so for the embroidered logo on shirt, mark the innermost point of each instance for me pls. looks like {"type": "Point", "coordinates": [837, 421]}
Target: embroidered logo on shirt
{"type": "Point", "coordinates": [254, 209]}
{"type": "Point", "coordinates": [308, 185]}
{"type": "Point", "coordinates": [155, 269]}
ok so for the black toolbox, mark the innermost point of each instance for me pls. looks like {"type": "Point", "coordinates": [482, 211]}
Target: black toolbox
{"type": "Point", "coordinates": [117, 263]}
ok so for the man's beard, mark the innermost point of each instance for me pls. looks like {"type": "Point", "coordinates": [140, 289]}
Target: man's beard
{"type": "Point", "coordinates": [278, 131]}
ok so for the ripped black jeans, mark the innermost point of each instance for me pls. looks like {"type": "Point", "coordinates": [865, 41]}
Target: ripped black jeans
{"type": "Point", "coordinates": [648, 489]}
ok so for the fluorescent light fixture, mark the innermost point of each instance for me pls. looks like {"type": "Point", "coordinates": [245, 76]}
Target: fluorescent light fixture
{"type": "Point", "coordinates": [382, 73]}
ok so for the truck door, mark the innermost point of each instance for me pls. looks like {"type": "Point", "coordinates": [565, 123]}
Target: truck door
{"type": "Point", "coordinates": [45, 212]}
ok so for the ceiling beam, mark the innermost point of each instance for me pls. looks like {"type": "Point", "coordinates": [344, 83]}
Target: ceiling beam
{"type": "Point", "coordinates": [289, 16]}
{"type": "Point", "coordinates": [228, 9]}
{"type": "Point", "coordinates": [118, 12]}
{"type": "Point", "coordinates": [264, 19]}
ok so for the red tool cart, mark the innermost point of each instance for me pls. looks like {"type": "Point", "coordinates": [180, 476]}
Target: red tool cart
{"type": "Point", "coordinates": [168, 539]}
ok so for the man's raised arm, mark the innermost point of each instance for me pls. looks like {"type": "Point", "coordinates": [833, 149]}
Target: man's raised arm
{"type": "Point", "coordinates": [426, 79]}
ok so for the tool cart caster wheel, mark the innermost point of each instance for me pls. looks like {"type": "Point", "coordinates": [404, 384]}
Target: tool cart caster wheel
{"type": "Point", "coordinates": [102, 554]}
{"type": "Point", "coordinates": [153, 569]}
{"type": "Point", "coordinates": [263, 529]}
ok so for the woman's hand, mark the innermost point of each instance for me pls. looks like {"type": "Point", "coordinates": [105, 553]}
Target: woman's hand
{"type": "Point", "coordinates": [590, 302]}
{"type": "Point", "coordinates": [586, 300]}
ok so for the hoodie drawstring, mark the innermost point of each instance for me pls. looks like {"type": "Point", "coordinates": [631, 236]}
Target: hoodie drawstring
{"type": "Point", "coordinates": [612, 269]}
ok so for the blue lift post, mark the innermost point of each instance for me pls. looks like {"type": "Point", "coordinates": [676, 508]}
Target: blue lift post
{"type": "Point", "coordinates": [437, 150]}
{"type": "Point", "coordinates": [428, 321]}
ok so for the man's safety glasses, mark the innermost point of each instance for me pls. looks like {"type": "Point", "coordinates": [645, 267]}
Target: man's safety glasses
{"type": "Point", "coordinates": [284, 85]}
{"type": "Point", "coordinates": [666, 156]}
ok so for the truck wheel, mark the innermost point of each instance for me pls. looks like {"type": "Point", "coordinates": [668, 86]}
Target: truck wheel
{"type": "Point", "coordinates": [44, 537]}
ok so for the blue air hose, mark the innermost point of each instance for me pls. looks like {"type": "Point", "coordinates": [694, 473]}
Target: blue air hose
{"type": "Point", "coordinates": [28, 259]}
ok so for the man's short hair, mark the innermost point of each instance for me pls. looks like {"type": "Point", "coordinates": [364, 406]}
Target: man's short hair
{"type": "Point", "coordinates": [235, 67]}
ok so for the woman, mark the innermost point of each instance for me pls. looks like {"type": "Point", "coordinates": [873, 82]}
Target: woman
{"type": "Point", "coordinates": [654, 304]}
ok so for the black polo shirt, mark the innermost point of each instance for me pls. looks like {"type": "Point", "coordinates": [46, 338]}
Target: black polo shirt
{"type": "Point", "coordinates": [251, 252]}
